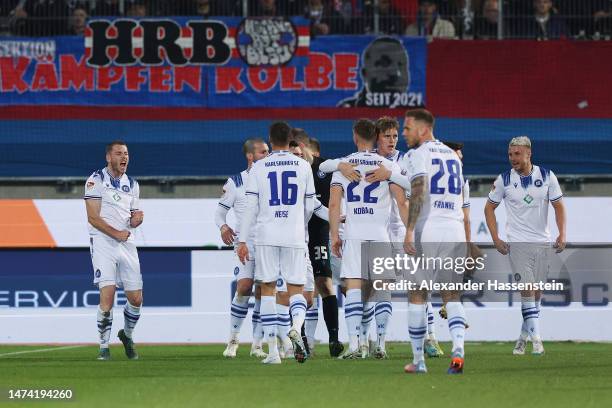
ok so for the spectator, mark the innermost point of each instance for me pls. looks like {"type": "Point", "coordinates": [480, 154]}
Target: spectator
{"type": "Point", "coordinates": [389, 19]}
{"type": "Point", "coordinates": [106, 8]}
{"type": "Point", "coordinates": [324, 19]}
{"type": "Point", "coordinates": [43, 17]}
{"type": "Point", "coordinates": [136, 8]}
{"type": "Point", "coordinates": [461, 14]}
{"type": "Point", "coordinates": [7, 15]}
{"type": "Point", "coordinates": [577, 15]}
{"type": "Point", "coordinates": [429, 23]}
{"type": "Point", "coordinates": [78, 21]}
{"type": "Point", "coordinates": [205, 8]}
{"type": "Point", "coordinates": [319, 17]}
{"type": "Point", "coordinates": [543, 24]}
{"type": "Point", "coordinates": [342, 17]}
{"type": "Point", "coordinates": [487, 22]}
{"type": "Point", "coordinates": [265, 8]}
{"type": "Point", "coordinates": [602, 18]}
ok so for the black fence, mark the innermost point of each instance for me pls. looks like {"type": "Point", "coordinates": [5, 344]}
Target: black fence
{"type": "Point", "coordinates": [461, 19]}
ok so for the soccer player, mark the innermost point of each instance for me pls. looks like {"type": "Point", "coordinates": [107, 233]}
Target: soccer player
{"type": "Point", "coordinates": [318, 248]}
{"type": "Point", "coordinates": [368, 208]}
{"type": "Point", "coordinates": [234, 197]}
{"type": "Point", "coordinates": [379, 309]}
{"type": "Point", "coordinates": [281, 197]}
{"type": "Point", "coordinates": [435, 222]}
{"type": "Point", "coordinates": [111, 200]}
{"type": "Point", "coordinates": [526, 189]}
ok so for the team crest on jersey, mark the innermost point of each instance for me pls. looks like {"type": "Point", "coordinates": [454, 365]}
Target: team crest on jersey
{"type": "Point", "coordinates": [538, 183]}
{"type": "Point", "coordinates": [279, 282]}
{"type": "Point", "coordinates": [90, 185]}
{"type": "Point", "coordinates": [126, 188]}
{"type": "Point", "coordinates": [236, 270]}
{"type": "Point", "coordinates": [321, 174]}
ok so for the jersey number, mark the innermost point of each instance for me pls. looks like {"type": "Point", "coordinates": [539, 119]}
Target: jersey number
{"type": "Point", "coordinates": [288, 190]}
{"type": "Point", "coordinates": [367, 193]}
{"type": "Point", "coordinates": [454, 177]}
{"type": "Point", "coordinates": [320, 252]}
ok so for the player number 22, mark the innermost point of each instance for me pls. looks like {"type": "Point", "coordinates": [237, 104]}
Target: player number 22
{"type": "Point", "coordinates": [288, 190]}
{"type": "Point", "coordinates": [454, 177]}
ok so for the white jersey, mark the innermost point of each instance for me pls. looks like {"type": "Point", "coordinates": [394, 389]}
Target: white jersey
{"type": "Point", "coordinates": [526, 199]}
{"type": "Point", "coordinates": [397, 229]}
{"type": "Point", "coordinates": [368, 205]}
{"type": "Point", "coordinates": [443, 182]}
{"type": "Point", "coordinates": [281, 195]}
{"type": "Point", "coordinates": [119, 196]}
{"type": "Point", "coordinates": [234, 197]}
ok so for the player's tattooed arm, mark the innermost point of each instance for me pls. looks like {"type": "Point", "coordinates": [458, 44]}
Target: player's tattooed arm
{"type": "Point", "coordinates": [417, 198]}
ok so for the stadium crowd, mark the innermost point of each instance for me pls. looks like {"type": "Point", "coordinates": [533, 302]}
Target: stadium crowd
{"type": "Point", "coordinates": [479, 19]}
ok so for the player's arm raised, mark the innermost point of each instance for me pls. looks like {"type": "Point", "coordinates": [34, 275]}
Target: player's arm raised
{"type": "Point", "coordinates": [347, 169]}
{"type": "Point", "coordinates": [93, 217]}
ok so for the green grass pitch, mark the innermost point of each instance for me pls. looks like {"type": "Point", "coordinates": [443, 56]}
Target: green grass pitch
{"type": "Point", "coordinates": [569, 375]}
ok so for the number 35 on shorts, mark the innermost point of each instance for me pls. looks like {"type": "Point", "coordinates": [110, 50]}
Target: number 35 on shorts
{"type": "Point", "coordinates": [320, 252]}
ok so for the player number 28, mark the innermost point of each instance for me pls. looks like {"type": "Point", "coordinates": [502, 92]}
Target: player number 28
{"type": "Point", "coordinates": [288, 190]}
{"type": "Point", "coordinates": [454, 177]}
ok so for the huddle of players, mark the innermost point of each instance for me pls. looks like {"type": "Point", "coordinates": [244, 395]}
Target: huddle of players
{"type": "Point", "coordinates": [274, 200]}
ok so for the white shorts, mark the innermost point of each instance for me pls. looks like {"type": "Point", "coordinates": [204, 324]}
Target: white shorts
{"type": "Point", "coordinates": [529, 261]}
{"type": "Point", "coordinates": [246, 271]}
{"type": "Point", "coordinates": [115, 263]}
{"type": "Point", "coordinates": [274, 262]}
{"type": "Point", "coordinates": [309, 286]}
{"type": "Point", "coordinates": [353, 257]}
{"type": "Point", "coordinates": [310, 282]}
{"type": "Point", "coordinates": [436, 245]}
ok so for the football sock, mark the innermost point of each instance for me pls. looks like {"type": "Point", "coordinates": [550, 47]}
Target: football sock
{"type": "Point", "coordinates": [330, 314]}
{"type": "Point", "coordinates": [268, 321]}
{"type": "Point", "coordinates": [382, 313]}
{"type": "Point", "coordinates": [531, 315]}
{"type": "Point", "coordinates": [417, 327]}
{"type": "Point", "coordinates": [283, 322]}
{"type": "Point", "coordinates": [297, 306]}
{"type": "Point", "coordinates": [256, 321]}
{"type": "Point", "coordinates": [524, 329]}
{"type": "Point", "coordinates": [353, 312]}
{"type": "Point", "coordinates": [131, 314]}
{"type": "Point", "coordinates": [239, 310]}
{"type": "Point", "coordinates": [105, 322]}
{"type": "Point", "coordinates": [366, 319]}
{"type": "Point", "coordinates": [431, 327]}
{"type": "Point", "coordinates": [456, 325]}
{"type": "Point", "coordinates": [312, 318]}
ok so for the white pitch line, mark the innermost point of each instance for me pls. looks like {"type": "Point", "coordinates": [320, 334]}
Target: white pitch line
{"type": "Point", "coordinates": [14, 353]}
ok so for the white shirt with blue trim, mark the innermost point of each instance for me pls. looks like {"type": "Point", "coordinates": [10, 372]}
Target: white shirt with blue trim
{"type": "Point", "coordinates": [526, 199]}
